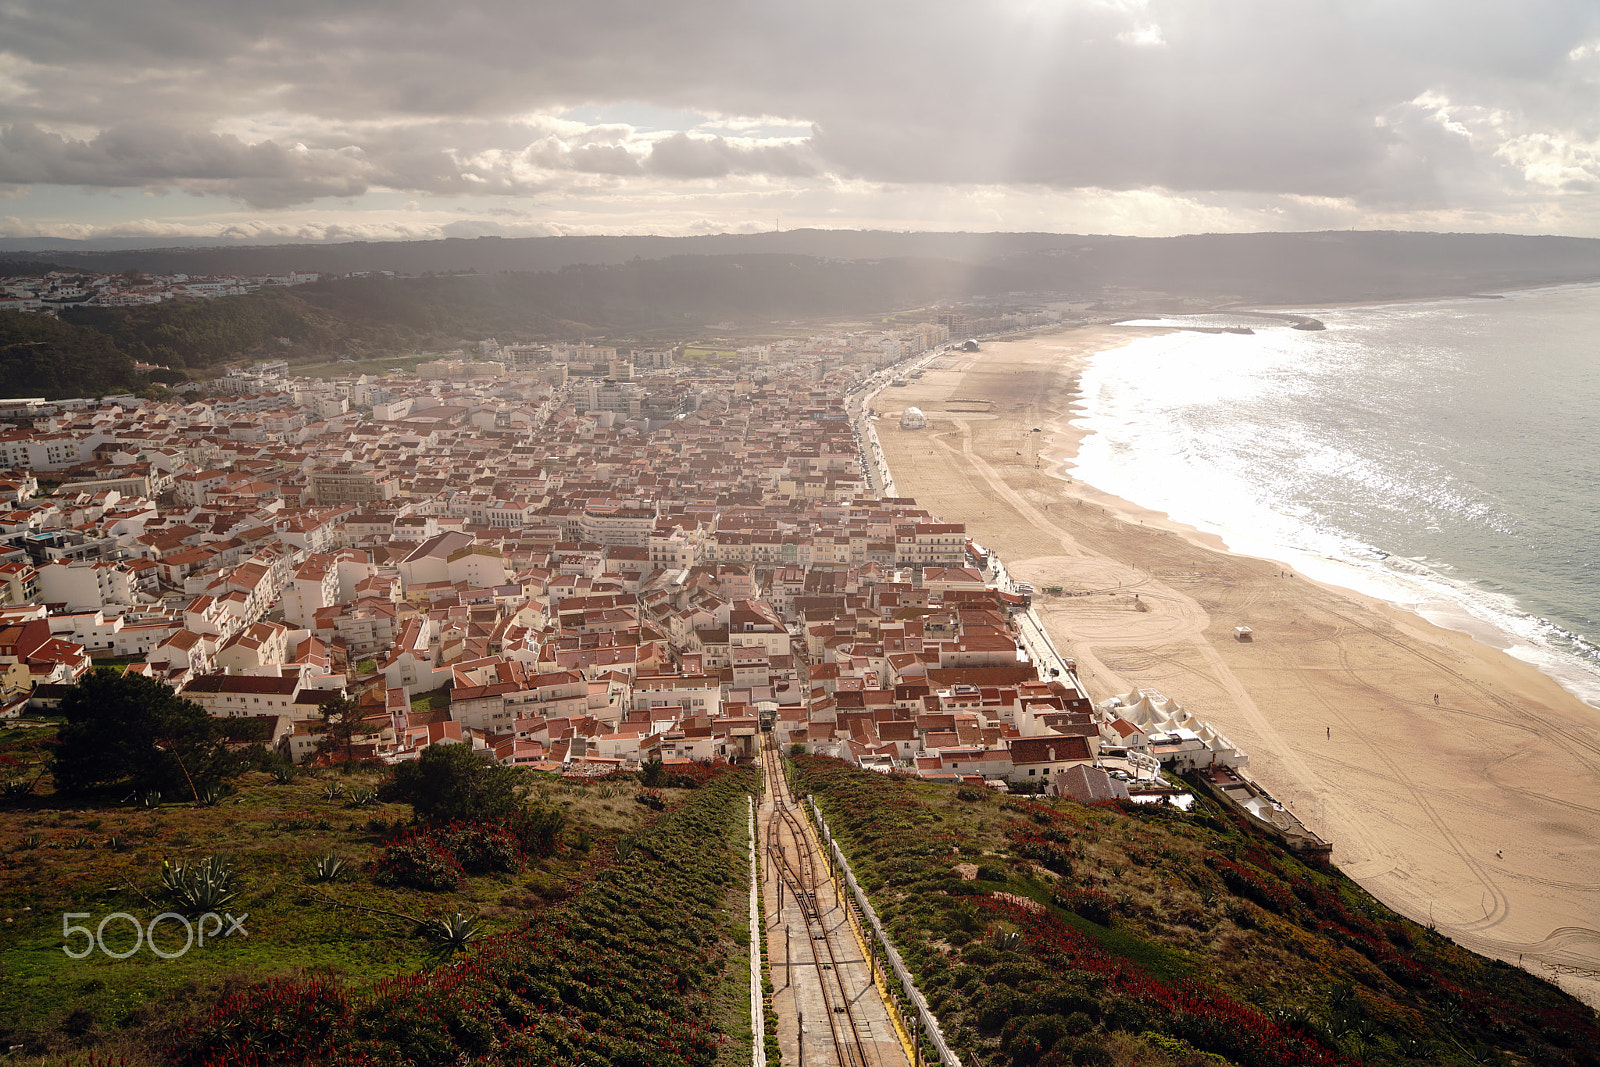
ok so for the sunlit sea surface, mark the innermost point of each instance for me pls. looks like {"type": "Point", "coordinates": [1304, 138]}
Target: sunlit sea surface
{"type": "Point", "coordinates": [1444, 456]}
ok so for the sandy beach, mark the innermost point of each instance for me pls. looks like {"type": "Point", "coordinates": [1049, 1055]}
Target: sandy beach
{"type": "Point", "coordinates": [1479, 814]}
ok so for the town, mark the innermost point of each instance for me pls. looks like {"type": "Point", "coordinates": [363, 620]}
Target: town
{"type": "Point", "coordinates": [571, 557]}
{"type": "Point", "coordinates": [51, 290]}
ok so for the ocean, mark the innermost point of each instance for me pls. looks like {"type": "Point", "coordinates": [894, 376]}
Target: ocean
{"type": "Point", "coordinates": [1443, 456]}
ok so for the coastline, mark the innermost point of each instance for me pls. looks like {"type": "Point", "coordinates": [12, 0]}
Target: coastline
{"type": "Point", "coordinates": [1334, 700]}
{"type": "Point", "coordinates": [1392, 563]}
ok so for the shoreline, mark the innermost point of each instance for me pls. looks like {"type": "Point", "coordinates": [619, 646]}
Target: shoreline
{"type": "Point", "coordinates": [1416, 797]}
{"type": "Point", "coordinates": [1413, 586]}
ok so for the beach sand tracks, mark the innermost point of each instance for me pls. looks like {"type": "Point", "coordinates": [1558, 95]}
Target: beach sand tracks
{"type": "Point", "coordinates": [1107, 621]}
{"type": "Point", "coordinates": [963, 481]}
{"type": "Point", "coordinates": [979, 481]}
{"type": "Point", "coordinates": [1475, 873]}
{"type": "Point", "coordinates": [1474, 699]}
{"type": "Point", "coordinates": [1078, 575]}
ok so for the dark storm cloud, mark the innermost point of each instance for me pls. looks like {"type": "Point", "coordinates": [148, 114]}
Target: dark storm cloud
{"type": "Point", "coordinates": [1234, 96]}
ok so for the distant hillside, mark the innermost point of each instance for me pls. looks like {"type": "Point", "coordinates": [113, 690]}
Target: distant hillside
{"type": "Point", "coordinates": [373, 316]}
{"type": "Point", "coordinates": [352, 316]}
{"type": "Point", "coordinates": [550, 288]}
{"type": "Point", "coordinates": [42, 357]}
{"type": "Point", "coordinates": [1266, 267]}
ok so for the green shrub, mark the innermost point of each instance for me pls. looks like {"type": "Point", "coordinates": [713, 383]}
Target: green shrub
{"type": "Point", "coordinates": [418, 862]}
{"type": "Point", "coordinates": [453, 782]}
{"type": "Point", "coordinates": [538, 831]}
{"type": "Point", "coordinates": [653, 775]}
{"type": "Point", "coordinates": [481, 849]}
{"type": "Point", "coordinates": [1093, 904]}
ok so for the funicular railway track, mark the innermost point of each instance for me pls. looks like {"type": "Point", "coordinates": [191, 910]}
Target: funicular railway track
{"type": "Point", "coordinates": [794, 865]}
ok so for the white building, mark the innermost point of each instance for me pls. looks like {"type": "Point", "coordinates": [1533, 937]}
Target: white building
{"type": "Point", "coordinates": [85, 585]}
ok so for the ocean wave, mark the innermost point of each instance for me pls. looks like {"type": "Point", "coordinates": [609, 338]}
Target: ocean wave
{"type": "Point", "coordinates": [1346, 452]}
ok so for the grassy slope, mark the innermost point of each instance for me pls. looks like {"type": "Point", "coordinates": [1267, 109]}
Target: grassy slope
{"type": "Point", "coordinates": [54, 858]}
{"type": "Point", "coordinates": [1214, 940]}
{"type": "Point", "coordinates": [628, 971]}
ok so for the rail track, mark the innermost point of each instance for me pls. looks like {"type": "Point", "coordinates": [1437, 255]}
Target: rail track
{"type": "Point", "coordinates": [844, 979]}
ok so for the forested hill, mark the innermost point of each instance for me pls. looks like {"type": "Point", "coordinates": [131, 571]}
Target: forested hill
{"type": "Point", "coordinates": [345, 317]}
{"type": "Point", "coordinates": [42, 357]}
{"type": "Point", "coordinates": [1262, 267]}
{"type": "Point", "coordinates": [91, 349]}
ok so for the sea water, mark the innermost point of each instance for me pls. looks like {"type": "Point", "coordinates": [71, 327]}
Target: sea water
{"type": "Point", "coordinates": [1443, 456]}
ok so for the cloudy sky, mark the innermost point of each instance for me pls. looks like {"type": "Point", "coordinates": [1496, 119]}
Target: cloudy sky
{"type": "Point", "coordinates": [376, 119]}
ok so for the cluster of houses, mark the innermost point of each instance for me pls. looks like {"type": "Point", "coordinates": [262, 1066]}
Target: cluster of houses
{"type": "Point", "coordinates": [57, 288]}
{"type": "Point", "coordinates": [503, 561]}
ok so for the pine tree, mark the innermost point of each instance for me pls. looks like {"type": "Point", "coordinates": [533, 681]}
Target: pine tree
{"type": "Point", "coordinates": [129, 729]}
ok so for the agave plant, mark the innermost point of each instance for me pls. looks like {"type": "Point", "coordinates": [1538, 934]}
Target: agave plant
{"type": "Point", "coordinates": [16, 789]}
{"type": "Point", "coordinates": [361, 798]}
{"type": "Point", "coordinates": [328, 869]}
{"type": "Point", "coordinates": [284, 773]}
{"type": "Point", "coordinates": [1005, 940]}
{"type": "Point", "coordinates": [451, 933]}
{"type": "Point", "coordinates": [1418, 1048]}
{"type": "Point", "coordinates": [332, 791]}
{"type": "Point", "coordinates": [209, 797]}
{"type": "Point", "coordinates": [200, 885]}
{"type": "Point", "coordinates": [150, 798]}
{"type": "Point", "coordinates": [117, 843]}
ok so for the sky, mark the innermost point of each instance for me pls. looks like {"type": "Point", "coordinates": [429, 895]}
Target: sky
{"type": "Point", "coordinates": [288, 120]}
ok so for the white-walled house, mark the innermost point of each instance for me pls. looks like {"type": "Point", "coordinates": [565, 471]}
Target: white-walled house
{"type": "Point", "coordinates": [236, 695]}
{"type": "Point", "coordinates": [84, 585]}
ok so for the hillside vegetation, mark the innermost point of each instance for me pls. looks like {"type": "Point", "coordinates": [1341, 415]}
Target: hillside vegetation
{"type": "Point", "coordinates": [1048, 932]}
{"type": "Point", "coordinates": [352, 317]}
{"type": "Point", "coordinates": [40, 356]}
{"type": "Point", "coordinates": [594, 921]}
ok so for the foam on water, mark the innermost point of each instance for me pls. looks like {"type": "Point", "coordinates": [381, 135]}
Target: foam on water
{"type": "Point", "coordinates": [1424, 454]}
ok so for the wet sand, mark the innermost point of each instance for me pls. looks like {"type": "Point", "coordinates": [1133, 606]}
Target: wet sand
{"type": "Point", "coordinates": [1334, 700]}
